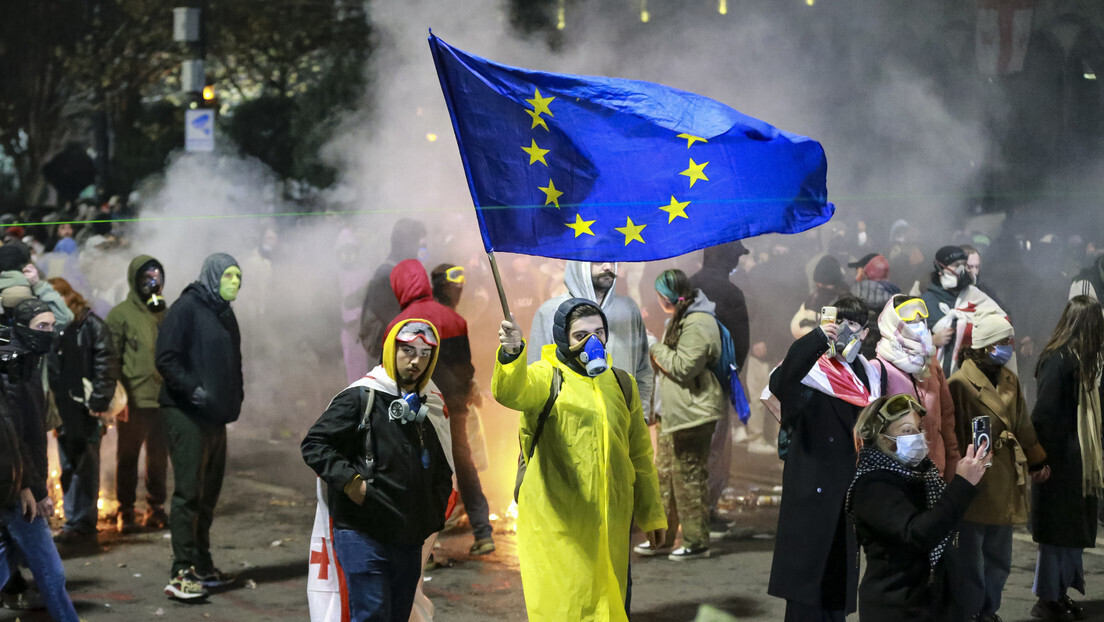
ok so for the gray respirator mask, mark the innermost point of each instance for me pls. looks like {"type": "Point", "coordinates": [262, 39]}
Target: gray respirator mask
{"type": "Point", "coordinates": [408, 408]}
{"type": "Point", "coordinates": [848, 344]}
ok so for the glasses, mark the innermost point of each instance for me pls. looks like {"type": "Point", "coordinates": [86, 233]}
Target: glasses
{"type": "Point", "coordinates": [898, 406]}
{"type": "Point", "coordinates": [912, 309]}
{"type": "Point", "coordinates": [416, 353]}
{"type": "Point", "coordinates": [455, 274]}
{"type": "Point", "coordinates": [417, 330]}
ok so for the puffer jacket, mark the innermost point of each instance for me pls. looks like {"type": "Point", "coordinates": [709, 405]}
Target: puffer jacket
{"type": "Point", "coordinates": [689, 392]}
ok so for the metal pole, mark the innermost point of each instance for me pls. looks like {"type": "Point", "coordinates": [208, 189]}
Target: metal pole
{"type": "Point", "coordinates": [501, 292]}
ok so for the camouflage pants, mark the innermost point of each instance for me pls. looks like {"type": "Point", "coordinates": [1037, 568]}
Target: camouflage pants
{"type": "Point", "coordinates": [682, 462]}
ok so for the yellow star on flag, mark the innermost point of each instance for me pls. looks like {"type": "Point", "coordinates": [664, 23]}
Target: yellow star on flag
{"type": "Point", "coordinates": [690, 139]}
{"type": "Point", "coordinates": [580, 226]}
{"type": "Point", "coordinates": [676, 209]}
{"type": "Point", "coordinates": [537, 120]}
{"type": "Point", "coordinates": [631, 231]}
{"type": "Point", "coordinates": [536, 154]}
{"type": "Point", "coordinates": [540, 104]}
{"type": "Point", "coordinates": [551, 195]}
{"type": "Point", "coordinates": [695, 172]}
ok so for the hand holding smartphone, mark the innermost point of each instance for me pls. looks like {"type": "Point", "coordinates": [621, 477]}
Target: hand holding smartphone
{"type": "Point", "coordinates": [983, 433]}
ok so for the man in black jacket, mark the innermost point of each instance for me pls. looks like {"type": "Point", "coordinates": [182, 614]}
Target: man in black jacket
{"type": "Point", "coordinates": [199, 357]}
{"type": "Point", "coordinates": [380, 305]}
{"type": "Point", "coordinates": [388, 476]}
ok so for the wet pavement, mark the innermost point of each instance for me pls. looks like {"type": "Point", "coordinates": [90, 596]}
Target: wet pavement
{"type": "Point", "coordinates": [262, 531]}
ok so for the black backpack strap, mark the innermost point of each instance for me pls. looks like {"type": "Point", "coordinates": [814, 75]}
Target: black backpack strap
{"type": "Point", "coordinates": [884, 381]}
{"type": "Point", "coordinates": [624, 380]}
{"type": "Point", "coordinates": [365, 428]}
{"type": "Point", "coordinates": [553, 393]}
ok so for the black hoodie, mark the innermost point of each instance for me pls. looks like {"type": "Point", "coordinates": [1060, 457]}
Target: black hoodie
{"type": "Point", "coordinates": [717, 263]}
{"type": "Point", "coordinates": [199, 345]}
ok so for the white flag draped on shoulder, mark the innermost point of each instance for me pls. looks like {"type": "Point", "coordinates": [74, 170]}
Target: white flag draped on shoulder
{"type": "Point", "coordinates": [326, 593]}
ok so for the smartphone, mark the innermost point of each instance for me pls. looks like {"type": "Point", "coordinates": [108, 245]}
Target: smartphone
{"type": "Point", "coordinates": [983, 433]}
{"type": "Point", "coordinates": [828, 316]}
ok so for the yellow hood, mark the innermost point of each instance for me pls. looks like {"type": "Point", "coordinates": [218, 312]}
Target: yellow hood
{"type": "Point", "coordinates": [389, 352]}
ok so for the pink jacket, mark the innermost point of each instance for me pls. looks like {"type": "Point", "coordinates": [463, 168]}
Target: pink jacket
{"type": "Point", "coordinates": [939, 423]}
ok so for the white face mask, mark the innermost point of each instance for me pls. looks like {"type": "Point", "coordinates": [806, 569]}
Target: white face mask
{"type": "Point", "coordinates": [911, 448]}
{"type": "Point", "coordinates": [923, 335]}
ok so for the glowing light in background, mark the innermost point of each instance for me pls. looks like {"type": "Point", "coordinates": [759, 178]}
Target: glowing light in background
{"type": "Point", "coordinates": [810, 2]}
{"type": "Point", "coordinates": [561, 18]}
{"type": "Point", "coordinates": [722, 7]}
{"type": "Point", "coordinates": [431, 137]}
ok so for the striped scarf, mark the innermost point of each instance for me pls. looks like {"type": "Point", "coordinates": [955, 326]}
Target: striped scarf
{"type": "Point", "coordinates": [872, 459]}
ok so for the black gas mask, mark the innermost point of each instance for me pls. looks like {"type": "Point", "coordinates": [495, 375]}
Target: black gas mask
{"type": "Point", "coordinates": [149, 287]}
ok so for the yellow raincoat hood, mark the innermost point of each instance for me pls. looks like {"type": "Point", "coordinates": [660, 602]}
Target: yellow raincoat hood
{"type": "Point", "coordinates": [389, 353]}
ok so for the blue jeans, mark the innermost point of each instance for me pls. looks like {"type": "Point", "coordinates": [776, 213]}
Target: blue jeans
{"type": "Point", "coordinates": [985, 561]}
{"type": "Point", "coordinates": [36, 544]}
{"type": "Point", "coordinates": [80, 479]}
{"type": "Point", "coordinates": [381, 578]}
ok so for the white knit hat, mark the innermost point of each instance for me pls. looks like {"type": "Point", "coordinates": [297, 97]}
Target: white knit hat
{"type": "Point", "coordinates": [989, 329]}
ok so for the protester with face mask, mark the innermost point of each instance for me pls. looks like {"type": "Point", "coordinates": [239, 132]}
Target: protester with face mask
{"type": "Point", "coordinates": [17, 270]}
{"type": "Point", "coordinates": [984, 386]}
{"type": "Point", "coordinates": [692, 402]}
{"type": "Point", "coordinates": [133, 324]}
{"type": "Point", "coordinates": [822, 385]}
{"type": "Point", "coordinates": [83, 376]}
{"type": "Point", "coordinates": [199, 357]}
{"type": "Point", "coordinates": [386, 504]}
{"type": "Point", "coordinates": [828, 285]}
{"type": "Point", "coordinates": [905, 515]}
{"type": "Point", "coordinates": [905, 358]}
{"type": "Point", "coordinates": [588, 476]}
{"type": "Point", "coordinates": [873, 287]}
{"type": "Point", "coordinates": [24, 529]}
{"type": "Point", "coordinates": [1067, 418]}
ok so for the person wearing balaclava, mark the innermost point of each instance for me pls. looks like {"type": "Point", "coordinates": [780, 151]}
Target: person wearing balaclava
{"type": "Point", "coordinates": [627, 341]}
{"type": "Point", "coordinates": [199, 358]}
{"type": "Point", "coordinates": [134, 324]}
{"type": "Point", "coordinates": [822, 385]}
{"type": "Point", "coordinates": [408, 241]}
{"type": "Point", "coordinates": [17, 270]}
{"type": "Point", "coordinates": [23, 519]}
{"type": "Point", "coordinates": [589, 471]}
{"type": "Point", "coordinates": [828, 285]}
{"type": "Point", "coordinates": [983, 386]}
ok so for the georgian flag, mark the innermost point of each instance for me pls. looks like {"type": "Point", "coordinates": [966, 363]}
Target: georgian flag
{"type": "Point", "coordinates": [326, 592]}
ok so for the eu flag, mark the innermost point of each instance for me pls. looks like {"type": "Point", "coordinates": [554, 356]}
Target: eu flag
{"type": "Point", "coordinates": [605, 169]}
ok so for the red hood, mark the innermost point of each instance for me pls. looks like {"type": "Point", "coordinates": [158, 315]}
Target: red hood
{"type": "Point", "coordinates": [410, 282]}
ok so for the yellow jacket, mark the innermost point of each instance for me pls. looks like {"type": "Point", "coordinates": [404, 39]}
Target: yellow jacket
{"type": "Point", "coordinates": [592, 472]}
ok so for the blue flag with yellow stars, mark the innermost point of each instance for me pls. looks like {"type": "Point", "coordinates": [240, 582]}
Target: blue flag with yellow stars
{"type": "Point", "coordinates": [605, 169]}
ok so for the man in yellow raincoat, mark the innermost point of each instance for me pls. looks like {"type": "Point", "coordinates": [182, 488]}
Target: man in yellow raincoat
{"type": "Point", "coordinates": [590, 475]}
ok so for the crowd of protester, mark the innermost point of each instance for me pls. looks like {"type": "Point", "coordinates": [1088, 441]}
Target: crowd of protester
{"type": "Point", "coordinates": [872, 409]}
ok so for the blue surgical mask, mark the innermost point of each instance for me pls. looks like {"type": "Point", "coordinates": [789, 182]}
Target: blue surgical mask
{"type": "Point", "coordinates": [1000, 355]}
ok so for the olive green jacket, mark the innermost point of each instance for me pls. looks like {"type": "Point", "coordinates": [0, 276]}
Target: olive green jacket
{"type": "Point", "coordinates": [690, 394]}
{"type": "Point", "coordinates": [134, 334]}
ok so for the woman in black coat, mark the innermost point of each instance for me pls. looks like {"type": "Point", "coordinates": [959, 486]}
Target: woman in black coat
{"type": "Point", "coordinates": [1067, 421]}
{"type": "Point", "coordinates": [815, 566]}
{"type": "Point", "coordinates": [904, 515]}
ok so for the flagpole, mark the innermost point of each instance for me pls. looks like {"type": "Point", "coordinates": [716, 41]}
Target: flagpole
{"type": "Point", "coordinates": [501, 292]}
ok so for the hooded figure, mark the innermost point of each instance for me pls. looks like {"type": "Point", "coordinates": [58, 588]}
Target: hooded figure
{"type": "Point", "coordinates": [385, 506]}
{"type": "Point", "coordinates": [199, 357]}
{"type": "Point", "coordinates": [626, 337]}
{"type": "Point", "coordinates": [15, 285]}
{"type": "Point", "coordinates": [1090, 281]}
{"type": "Point", "coordinates": [380, 305]}
{"type": "Point", "coordinates": [589, 477]}
{"type": "Point", "coordinates": [133, 324]}
{"type": "Point", "coordinates": [453, 376]}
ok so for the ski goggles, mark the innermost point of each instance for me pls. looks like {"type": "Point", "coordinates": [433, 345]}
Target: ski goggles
{"type": "Point", "coordinates": [455, 274]}
{"type": "Point", "coordinates": [898, 406]}
{"type": "Point", "coordinates": [412, 331]}
{"type": "Point", "coordinates": [912, 309]}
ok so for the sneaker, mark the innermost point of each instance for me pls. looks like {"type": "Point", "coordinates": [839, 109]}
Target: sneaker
{"type": "Point", "coordinates": [740, 435]}
{"type": "Point", "coordinates": [125, 522]}
{"type": "Point", "coordinates": [1051, 611]}
{"type": "Point", "coordinates": [719, 527]}
{"type": "Point", "coordinates": [185, 586]}
{"type": "Point", "coordinates": [482, 546]}
{"type": "Point", "coordinates": [646, 549]}
{"type": "Point", "coordinates": [214, 578]}
{"type": "Point", "coordinates": [156, 519]}
{"type": "Point", "coordinates": [682, 553]}
{"type": "Point", "coordinates": [27, 600]}
{"type": "Point", "coordinates": [1077, 611]}
{"type": "Point", "coordinates": [762, 447]}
